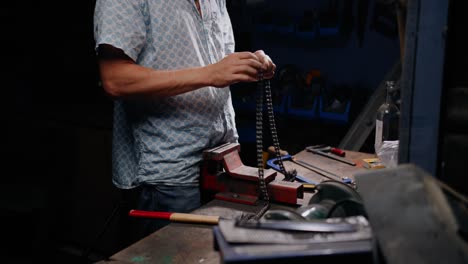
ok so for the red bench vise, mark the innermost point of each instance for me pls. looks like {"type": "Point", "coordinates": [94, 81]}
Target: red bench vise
{"type": "Point", "coordinates": [223, 172]}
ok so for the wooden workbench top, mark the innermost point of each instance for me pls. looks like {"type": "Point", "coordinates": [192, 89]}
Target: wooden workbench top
{"type": "Point", "coordinates": [192, 243]}
{"type": "Point", "coordinates": [327, 164]}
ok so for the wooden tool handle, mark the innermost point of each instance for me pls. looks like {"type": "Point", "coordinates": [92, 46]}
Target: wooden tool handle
{"type": "Point", "coordinates": [193, 218]}
{"type": "Point", "coordinates": [176, 217]}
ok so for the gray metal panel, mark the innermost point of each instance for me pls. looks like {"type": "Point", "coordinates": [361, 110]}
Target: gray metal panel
{"type": "Point", "coordinates": [412, 20]}
{"type": "Point", "coordinates": [423, 73]}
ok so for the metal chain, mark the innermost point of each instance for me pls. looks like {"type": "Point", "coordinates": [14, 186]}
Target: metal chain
{"type": "Point", "coordinates": [274, 135]}
{"type": "Point", "coordinates": [264, 196]}
{"type": "Point", "coordinates": [265, 88]}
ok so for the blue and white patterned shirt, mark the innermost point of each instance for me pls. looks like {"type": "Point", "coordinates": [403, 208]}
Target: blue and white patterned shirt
{"type": "Point", "coordinates": [161, 141]}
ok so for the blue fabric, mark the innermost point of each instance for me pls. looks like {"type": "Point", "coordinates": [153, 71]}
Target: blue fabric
{"type": "Point", "coordinates": [178, 199]}
{"type": "Point", "coordinates": [161, 141]}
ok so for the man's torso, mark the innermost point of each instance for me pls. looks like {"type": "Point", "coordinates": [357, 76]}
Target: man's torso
{"type": "Point", "coordinates": [160, 141]}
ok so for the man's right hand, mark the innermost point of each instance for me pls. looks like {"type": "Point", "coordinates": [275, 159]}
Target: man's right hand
{"type": "Point", "coordinates": [234, 68]}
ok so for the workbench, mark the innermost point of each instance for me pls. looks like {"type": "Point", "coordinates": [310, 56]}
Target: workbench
{"type": "Point", "coordinates": [194, 243]}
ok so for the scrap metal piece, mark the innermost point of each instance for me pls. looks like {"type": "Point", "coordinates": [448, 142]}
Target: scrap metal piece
{"type": "Point", "coordinates": [411, 217]}
{"type": "Point", "coordinates": [305, 226]}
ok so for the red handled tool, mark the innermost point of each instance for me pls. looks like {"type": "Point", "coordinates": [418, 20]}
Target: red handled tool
{"type": "Point", "coordinates": [325, 148]}
{"type": "Point", "coordinates": [176, 217]}
{"type": "Point", "coordinates": [321, 150]}
{"type": "Point", "coordinates": [338, 152]}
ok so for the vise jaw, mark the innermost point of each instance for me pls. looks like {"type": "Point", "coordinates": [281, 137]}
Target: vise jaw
{"type": "Point", "coordinates": [223, 172]}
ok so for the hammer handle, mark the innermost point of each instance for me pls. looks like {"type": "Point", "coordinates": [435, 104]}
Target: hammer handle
{"type": "Point", "coordinates": [176, 217]}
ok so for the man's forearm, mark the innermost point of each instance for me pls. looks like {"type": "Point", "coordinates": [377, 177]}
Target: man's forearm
{"type": "Point", "coordinates": [126, 79]}
{"type": "Point", "coordinates": [122, 77]}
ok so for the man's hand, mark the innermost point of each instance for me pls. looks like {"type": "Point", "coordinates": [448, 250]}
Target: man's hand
{"type": "Point", "coordinates": [268, 67]}
{"type": "Point", "coordinates": [234, 68]}
{"type": "Point", "coordinates": [241, 67]}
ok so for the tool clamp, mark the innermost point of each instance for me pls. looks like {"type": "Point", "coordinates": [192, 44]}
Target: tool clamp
{"type": "Point", "coordinates": [273, 163]}
{"type": "Point", "coordinates": [224, 173]}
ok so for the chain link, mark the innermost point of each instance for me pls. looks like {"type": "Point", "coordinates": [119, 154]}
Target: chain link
{"type": "Point", "coordinates": [259, 141]}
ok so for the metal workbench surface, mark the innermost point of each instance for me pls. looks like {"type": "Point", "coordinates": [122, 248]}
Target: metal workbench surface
{"type": "Point", "coordinates": [194, 243]}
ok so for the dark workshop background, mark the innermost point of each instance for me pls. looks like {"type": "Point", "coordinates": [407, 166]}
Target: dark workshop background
{"type": "Point", "coordinates": [56, 194]}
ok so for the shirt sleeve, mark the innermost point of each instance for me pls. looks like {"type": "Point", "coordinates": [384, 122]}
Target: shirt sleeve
{"type": "Point", "coordinates": [120, 23]}
{"type": "Point", "coordinates": [228, 34]}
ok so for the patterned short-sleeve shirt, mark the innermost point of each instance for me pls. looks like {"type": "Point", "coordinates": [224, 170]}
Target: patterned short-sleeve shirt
{"type": "Point", "coordinates": [161, 141]}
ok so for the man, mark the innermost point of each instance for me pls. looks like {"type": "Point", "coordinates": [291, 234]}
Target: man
{"type": "Point", "coordinates": [169, 64]}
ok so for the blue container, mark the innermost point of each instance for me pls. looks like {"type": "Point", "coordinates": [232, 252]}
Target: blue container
{"type": "Point", "coordinates": [308, 35]}
{"type": "Point", "coordinates": [335, 117]}
{"type": "Point", "coordinates": [265, 28]}
{"type": "Point", "coordinates": [303, 113]}
{"type": "Point", "coordinates": [329, 31]}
